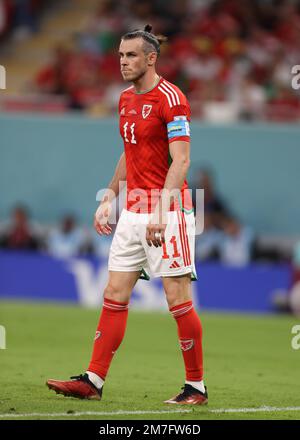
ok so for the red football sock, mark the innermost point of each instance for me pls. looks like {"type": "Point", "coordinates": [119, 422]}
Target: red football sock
{"type": "Point", "coordinates": [109, 335]}
{"type": "Point", "coordinates": [190, 338]}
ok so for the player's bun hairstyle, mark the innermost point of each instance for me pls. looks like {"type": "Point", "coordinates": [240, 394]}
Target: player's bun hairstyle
{"type": "Point", "coordinates": [154, 41]}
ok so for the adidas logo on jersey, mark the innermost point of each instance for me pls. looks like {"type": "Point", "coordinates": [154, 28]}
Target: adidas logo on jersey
{"type": "Point", "coordinates": [132, 112]}
{"type": "Point", "coordinates": [174, 265]}
{"type": "Point", "coordinates": [122, 112]}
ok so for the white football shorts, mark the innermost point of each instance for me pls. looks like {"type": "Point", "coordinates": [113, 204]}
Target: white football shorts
{"type": "Point", "coordinates": [130, 252]}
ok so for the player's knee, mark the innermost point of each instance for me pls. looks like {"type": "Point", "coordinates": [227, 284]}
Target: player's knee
{"type": "Point", "coordinates": [175, 300]}
{"type": "Point", "coordinates": [177, 292]}
{"type": "Point", "coordinates": [176, 297]}
{"type": "Point", "coordinates": [114, 293]}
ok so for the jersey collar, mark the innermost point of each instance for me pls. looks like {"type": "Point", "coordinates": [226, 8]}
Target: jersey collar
{"type": "Point", "coordinates": [152, 88]}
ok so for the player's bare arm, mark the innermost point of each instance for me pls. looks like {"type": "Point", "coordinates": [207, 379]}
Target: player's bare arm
{"type": "Point", "coordinates": [103, 212]}
{"type": "Point", "coordinates": [180, 154]}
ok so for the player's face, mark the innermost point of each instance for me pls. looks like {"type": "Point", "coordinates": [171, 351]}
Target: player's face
{"type": "Point", "coordinates": [133, 60]}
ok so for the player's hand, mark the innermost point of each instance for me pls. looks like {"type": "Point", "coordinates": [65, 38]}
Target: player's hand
{"type": "Point", "coordinates": [155, 234]}
{"type": "Point", "coordinates": [155, 231]}
{"type": "Point", "coordinates": [101, 219]}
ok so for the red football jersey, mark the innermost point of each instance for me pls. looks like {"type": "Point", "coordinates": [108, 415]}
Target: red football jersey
{"type": "Point", "coordinates": [148, 123]}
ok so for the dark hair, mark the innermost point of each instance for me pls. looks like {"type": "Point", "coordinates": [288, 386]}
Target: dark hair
{"type": "Point", "coordinates": [152, 42]}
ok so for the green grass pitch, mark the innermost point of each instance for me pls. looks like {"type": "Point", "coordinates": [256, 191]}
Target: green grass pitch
{"type": "Point", "coordinates": [249, 363]}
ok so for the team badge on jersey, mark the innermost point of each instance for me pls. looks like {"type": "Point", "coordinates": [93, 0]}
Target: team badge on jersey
{"type": "Point", "coordinates": [146, 110]}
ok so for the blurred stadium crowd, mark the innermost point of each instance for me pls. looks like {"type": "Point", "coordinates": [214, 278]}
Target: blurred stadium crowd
{"type": "Point", "coordinates": [225, 239]}
{"type": "Point", "coordinates": [232, 58]}
{"type": "Point", "coordinates": [20, 16]}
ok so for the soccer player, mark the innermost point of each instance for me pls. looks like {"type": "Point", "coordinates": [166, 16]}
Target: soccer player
{"type": "Point", "coordinates": [156, 231]}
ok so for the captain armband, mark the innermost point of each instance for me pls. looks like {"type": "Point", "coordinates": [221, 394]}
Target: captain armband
{"type": "Point", "coordinates": [178, 127]}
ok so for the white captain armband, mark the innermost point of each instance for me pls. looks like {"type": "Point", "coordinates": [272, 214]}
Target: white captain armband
{"type": "Point", "coordinates": [178, 127]}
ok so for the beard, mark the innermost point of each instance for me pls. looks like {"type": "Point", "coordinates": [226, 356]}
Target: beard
{"type": "Point", "coordinates": [135, 76]}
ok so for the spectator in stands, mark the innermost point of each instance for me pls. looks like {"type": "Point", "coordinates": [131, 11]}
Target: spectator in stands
{"type": "Point", "coordinates": [213, 204]}
{"type": "Point", "coordinates": [52, 77]}
{"type": "Point", "coordinates": [5, 16]}
{"type": "Point", "coordinates": [67, 240]}
{"type": "Point", "coordinates": [19, 234]}
{"type": "Point", "coordinates": [100, 248]}
{"type": "Point", "coordinates": [249, 97]}
{"type": "Point", "coordinates": [207, 243]}
{"type": "Point", "coordinates": [236, 244]}
{"type": "Point", "coordinates": [102, 29]}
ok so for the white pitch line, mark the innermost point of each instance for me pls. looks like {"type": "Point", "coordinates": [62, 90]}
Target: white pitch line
{"type": "Point", "coordinates": [253, 410]}
{"type": "Point", "coordinates": [95, 413]}
{"type": "Point", "coordinates": [124, 413]}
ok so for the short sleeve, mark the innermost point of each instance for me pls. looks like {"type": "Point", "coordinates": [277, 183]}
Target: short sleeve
{"type": "Point", "coordinates": [177, 119]}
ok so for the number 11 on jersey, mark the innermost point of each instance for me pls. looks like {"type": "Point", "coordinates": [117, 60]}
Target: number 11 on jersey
{"type": "Point", "coordinates": [125, 126]}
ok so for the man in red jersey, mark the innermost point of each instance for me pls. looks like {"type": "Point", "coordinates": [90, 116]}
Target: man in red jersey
{"type": "Point", "coordinates": [156, 231]}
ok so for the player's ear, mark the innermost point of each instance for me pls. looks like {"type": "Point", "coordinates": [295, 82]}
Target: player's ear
{"type": "Point", "coordinates": [152, 56]}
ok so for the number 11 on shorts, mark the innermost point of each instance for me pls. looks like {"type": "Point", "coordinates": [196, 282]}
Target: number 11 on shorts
{"type": "Point", "coordinates": [176, 254]}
